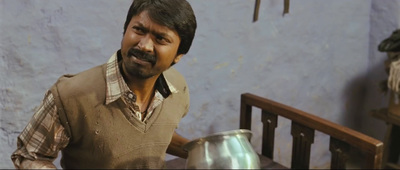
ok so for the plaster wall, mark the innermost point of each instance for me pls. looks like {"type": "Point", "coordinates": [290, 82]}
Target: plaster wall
{"type": "Point", "coordinates": [320, 58]}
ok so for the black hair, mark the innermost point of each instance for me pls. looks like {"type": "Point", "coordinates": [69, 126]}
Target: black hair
{"type": "Point", "coordinates": [392, 43]}
{"type": "Point", "coordinates": [177, 15]}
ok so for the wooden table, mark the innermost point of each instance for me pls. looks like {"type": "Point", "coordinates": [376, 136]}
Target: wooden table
{"type": "Point", "coordinates": [265, 163]}
{"type": "Point", "coordinates": [391, 152]}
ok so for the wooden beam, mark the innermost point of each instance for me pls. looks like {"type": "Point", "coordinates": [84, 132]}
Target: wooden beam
{"type": "Point", "coordinates": [256, 10]}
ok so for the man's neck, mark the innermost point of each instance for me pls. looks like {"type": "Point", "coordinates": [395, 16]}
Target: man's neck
{"type": "Point", "coordinates": [144, 89]}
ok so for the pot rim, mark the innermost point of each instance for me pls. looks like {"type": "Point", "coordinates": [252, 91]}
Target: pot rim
{"type": "Point", "coordinates": [217, 135]}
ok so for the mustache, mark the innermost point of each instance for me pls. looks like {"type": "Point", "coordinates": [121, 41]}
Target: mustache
{"type": "Point", "coordinates": [142, 55]}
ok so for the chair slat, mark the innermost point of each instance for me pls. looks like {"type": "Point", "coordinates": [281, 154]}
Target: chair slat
{"type": "Point", "coordinates": [270, 122]}
{"type": "Point", "coordinates": [339, 150]}
{"type": "Point", "coordinates": [303, 137]}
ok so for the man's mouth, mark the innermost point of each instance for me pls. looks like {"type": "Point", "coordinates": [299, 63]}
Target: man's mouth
{"type": "Point", "coordinates": [141, 56]}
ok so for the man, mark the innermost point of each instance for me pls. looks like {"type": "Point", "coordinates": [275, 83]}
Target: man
{"type": "Point", "coordinates": [391, 46]}
{"type": "Point", "coordinates": [122, 114]}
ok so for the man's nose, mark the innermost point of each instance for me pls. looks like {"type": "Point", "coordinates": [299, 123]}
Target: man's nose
{"type": "Point", "coordinates": [146, 44]}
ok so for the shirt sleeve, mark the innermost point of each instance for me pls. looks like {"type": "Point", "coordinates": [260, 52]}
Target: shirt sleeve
{"type": "Point", "coordinates": [43, 137]}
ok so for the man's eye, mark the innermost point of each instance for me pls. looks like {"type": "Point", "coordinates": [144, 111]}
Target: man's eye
{"type": "Point", "coordinates": [138, 30]}
{"type": "Point", "coordinates": [162, 40]}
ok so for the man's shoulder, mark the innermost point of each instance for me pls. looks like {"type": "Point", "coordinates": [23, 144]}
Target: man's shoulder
{"type": "Point", "coordinates": [86, 80]}
{"type": "Point", "coordinates": [175, 78]}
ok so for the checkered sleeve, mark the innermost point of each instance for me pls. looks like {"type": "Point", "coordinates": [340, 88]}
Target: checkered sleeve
{"type": "Point", "coordinates": [43, 137]}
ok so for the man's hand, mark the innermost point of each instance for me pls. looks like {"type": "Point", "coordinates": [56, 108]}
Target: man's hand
{"type": "Point", "coordinates": [37, 164]}
{"type": "Point", "coordinates": [175, 147]}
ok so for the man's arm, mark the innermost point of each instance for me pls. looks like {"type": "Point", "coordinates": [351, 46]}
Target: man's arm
{"type": "Point", "coordinates": [175, 147]}
{"type": "Point", "coordinates": [37, 141]}
{"type": "Point", "coordinates": [37, 164]}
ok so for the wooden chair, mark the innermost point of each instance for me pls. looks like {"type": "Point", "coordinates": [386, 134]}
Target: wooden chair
{"type": "Point", "coordinates": [302, 130]}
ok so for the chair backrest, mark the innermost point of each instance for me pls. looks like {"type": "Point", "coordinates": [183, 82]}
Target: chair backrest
{"type": "Point", "coordinates": [302, 130]}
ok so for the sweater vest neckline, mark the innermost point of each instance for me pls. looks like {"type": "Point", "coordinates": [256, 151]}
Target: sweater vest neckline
{"type": "Point", "coordinates": [133, 120]}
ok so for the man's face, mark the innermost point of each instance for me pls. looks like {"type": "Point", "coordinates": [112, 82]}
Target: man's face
{"type": "Point", "coordinates": [148, 48]}
{"type": "Point", "coordinates": [393, 55]}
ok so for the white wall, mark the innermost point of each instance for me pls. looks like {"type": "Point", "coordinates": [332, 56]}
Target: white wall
{"type": "Point", "coordinates": [320, 58]}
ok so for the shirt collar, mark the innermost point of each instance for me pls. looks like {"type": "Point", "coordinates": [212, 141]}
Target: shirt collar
{"type": "Point", "coordinates": [116, 85]}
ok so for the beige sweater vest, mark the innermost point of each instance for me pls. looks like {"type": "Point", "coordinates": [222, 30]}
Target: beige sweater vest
{"type": "Point", "coordinates": [104, 136]}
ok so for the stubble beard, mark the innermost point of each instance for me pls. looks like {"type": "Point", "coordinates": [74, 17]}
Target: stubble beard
{"type": "Point", "coordinates": [136, 70]}
{"type": "Point", "coordinates": [139, 72]}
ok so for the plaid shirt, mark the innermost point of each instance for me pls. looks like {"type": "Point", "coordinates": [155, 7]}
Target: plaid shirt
{"type": "Point", "coordinates": [44, 135]}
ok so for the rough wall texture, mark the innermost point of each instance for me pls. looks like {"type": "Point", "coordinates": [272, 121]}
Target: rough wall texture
{"type": "Point", "coordinates": [320, 58]}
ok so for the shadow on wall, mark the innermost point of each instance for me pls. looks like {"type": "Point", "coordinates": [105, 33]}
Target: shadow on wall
{"type": "Point", "coordinates": [353, 96]}
{"type": "Point", "coordinates": [362, 94]}
{"type": "Point", "coordinates": [376, 99]}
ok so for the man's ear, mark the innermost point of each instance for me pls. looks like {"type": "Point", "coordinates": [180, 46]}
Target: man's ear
{"type": "Point", "coordinates": [178, 58]}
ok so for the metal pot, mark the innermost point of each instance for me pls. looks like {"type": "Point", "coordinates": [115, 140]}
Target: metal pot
{"type": "Point", "coordinates": [224, 150]}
